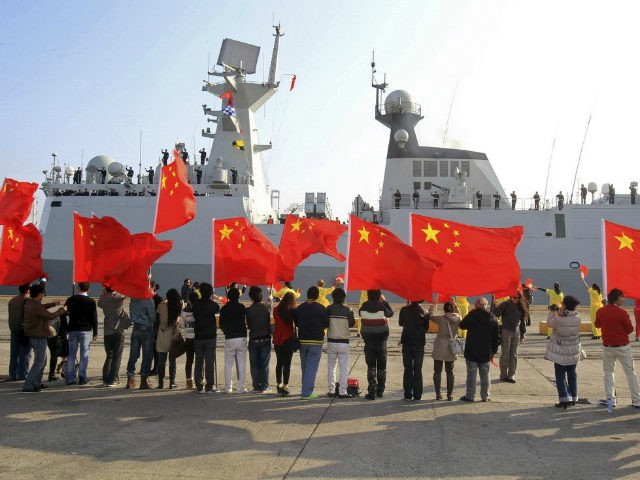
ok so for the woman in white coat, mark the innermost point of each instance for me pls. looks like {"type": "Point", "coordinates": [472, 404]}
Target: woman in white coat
{"type": "Point", "coordinates": [563, 349]}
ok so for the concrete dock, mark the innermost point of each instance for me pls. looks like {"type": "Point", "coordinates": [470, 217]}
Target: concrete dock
{"type": "Point", "coordinates": [87, 432]}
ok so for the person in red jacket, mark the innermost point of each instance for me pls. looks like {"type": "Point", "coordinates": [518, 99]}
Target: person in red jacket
{"type": "Point", "coordinates": [616, 327]}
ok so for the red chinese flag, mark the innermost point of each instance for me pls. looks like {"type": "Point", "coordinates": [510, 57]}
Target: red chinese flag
{"type": "Point", "coordinates": [303, 237]}
{"type": "Point", "coordinates": [243, 254]}
{"type": "Point", "coordinates": [20, 255]}
{"type": "Point", "coordinates": [176, 203]}
{"type": "Point", "coordinates": [229, 96]}
{"type": "Point", "coordinates": [621, 263]}
{"type": "Point", "coordinates": [584, 271]}
{"type": "Point", "coordinates": [16, 199]}
{"type": "Point", "coordinates": [377, 259]}
{"type": "Point", "coordinates": [475, 260]}
{"type": "Point", "coordinates": [145, 250]}
{"type": "Point", "coordinates": [101, 248]}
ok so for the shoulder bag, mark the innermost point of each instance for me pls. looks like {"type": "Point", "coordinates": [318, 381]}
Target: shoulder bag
{"type": "Point", "coordinates": [455, 344]}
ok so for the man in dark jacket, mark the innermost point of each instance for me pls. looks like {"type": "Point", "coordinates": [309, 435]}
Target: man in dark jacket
{"type": "Point", "coordinates": [204, 343]}
{"type": "Point", "coordinates": [20, 352]}
{"type": "Point", "coordinates": [374, 314]}
{"type": "Point", "coordinates": [415, 323]}
{"type": "Point", "coordinates": [116, 321]}
{"type": "Point", "coordinates": [480, 346]}
{"type": "Point", "coordinates": [233, 323]}
{"type": "Point", "coordinates": [513, 313]}
{"type": "Point", "coordinates": [311, 319]}
{"type": "Point", "coordinates": [260, 329]}
{"type": "Point", "coordinates": [81, 326]}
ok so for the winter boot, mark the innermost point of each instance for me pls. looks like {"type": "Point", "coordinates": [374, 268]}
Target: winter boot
{"type": "Point", "coordinates": [160, 384]}
{"type": "Point", "coordinates": [382, 381]}
{"type": "Point", "coordinates": [450, 382]}
{"type": "Point", "coordinates": [131, 382]}
{"type": "Point", "coordinates": [144, 383]}
{"type": "Point", "coordinates": [172, 382]}
{"type": "Point", "coordinates": [437, 380]}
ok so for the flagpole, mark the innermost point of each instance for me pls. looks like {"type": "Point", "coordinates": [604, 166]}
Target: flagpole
{"type": "Point", "coordinates": [155, 219]}
{"type": "Point", "coordinates": [213, 251]}
{"type": "Point", "coordinates": [604, 258]}
{"type": "Point", "coordinates": [346, 270]}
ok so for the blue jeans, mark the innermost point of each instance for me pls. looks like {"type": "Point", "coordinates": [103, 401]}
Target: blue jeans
{"type": "Point", "coordinates": [34, 377]}
{"type": "Point", "coordinates": [19, 357]}
{"type": "Point", "coordinates": [83, 340]}
{"type": "Point", "coordinates": [259, 357]}
{"type": "Point", "coordinates": [309, 361]}
{"type": "Point", "coordinates": [141, 338]}
{"type": "Point", "coordinates": [472, 372]}
{"type": "Point", "coordinates": [566, 382]}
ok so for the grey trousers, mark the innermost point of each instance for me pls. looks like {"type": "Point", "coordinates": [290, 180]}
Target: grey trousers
{"type": "Point", "coordinates": [485, 384]}
{"type": "Point", "coordinates": [509, 353]}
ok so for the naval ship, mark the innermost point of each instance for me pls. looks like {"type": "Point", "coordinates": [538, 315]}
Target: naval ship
{"type": "Point", "coordinates": [230, 182]}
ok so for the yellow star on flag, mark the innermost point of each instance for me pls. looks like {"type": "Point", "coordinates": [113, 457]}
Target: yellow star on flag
{"type": "Point", "coordinates": [10, 233]}
{"type": "Point", "coordinates": [364, 235]}
{"type": "Point", "coordinates": [431, 233]}
{"type": "Point", "coordinates": [625, 242]}
{"type": "Point", "coordinates": [449, 251]}
{"type": "Point", "coordinates": [296, 226]}
{"type": "Point", "coordinates": [81, 229]}
{"type": "Point", "coordinates": [226, 232]}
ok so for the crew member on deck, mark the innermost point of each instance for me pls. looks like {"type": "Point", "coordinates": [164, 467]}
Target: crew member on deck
{"type": "Point", "coordinates": [234, 175]}
{"type": "Point", "coordinates": [203, 155]}
{"type": "Point", "coordinates": [436, 197]}
{"type": "Point", "coordinates": [185, 156]}
{"type": "Point", "coordinates": [560, 199]}
{"type": "Point", "coordinates": [397, 197]}
{"type": "Point", "coordinates": [496, 201]}
{"type": "Point", "coordinates": [165, 156]}
{"type": "Point", "coordinates": [612, 194]}
{"type": "Point", "coordinates": [151, 172]}
{"type": "Point", "coordinates": [536, 201]}
{"type": "Point", "coordinates": [103, 174]}
{"type": "Point", "coordinates": [513, 200]}
{"type": "Point", "coordinates": [583, 194]}
{"type": "Point", "coordinates": [634, 190]}
{"type": "Point", "coordinates": [130, 174]}
{"type": "Point", "coordinates": [198, 175]}
{"type": "Point", "coordinates": [416, 198]}
{"type": "Point", "coordinates": [479, 197]}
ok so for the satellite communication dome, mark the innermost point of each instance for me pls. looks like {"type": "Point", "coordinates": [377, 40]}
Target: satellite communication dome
{"type": "Point", "coordinates": [116, 169]}
{"type": "Point", "coordinates": [398, 101]}
{"type": "Point", "coordinates": [69, 170]}
{"type": "Point", "coordinates": [592, 187]}
{"type": "Point", "coordinates": [101, 161]}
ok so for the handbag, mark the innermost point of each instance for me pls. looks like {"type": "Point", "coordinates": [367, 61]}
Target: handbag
{"type": "Point", "coordinates": [455, 344]}
{"type": "Point", "coordinates": [178, 345]}
{"type": "Point", "coordinates": [292, 343]}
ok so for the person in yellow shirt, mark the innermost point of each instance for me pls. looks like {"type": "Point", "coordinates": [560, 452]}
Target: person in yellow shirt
{"type": "Point", "coordinates": [284, 290]}
{"type": "Point", "coordinates": [324, 291]}
{"type": "Point", "coordinates": [595, 298]}
{"type": "Point", "coordinates": [463, 309]}
{"type": "Point", "coordinates": [555, 300]}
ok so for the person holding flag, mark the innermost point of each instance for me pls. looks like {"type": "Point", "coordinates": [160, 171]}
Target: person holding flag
{"type": "Point", "coordinates": [595, 298]}
{"type": "Point", "coordinates": [555, 301]}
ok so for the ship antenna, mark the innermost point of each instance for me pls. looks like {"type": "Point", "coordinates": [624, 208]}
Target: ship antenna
{"type": "Point", "coordinates": [580, 157]}
{"type": "Point", "coordinates": [549, 169]}
{"type": "Point", "coordinates": [274, 56]}
{"type": "Point", "coordinates": [140, 158]}
{"type": "Point", "coordinates": [380, 87]}
{"type": "Point", "coordinates": [446, 127]}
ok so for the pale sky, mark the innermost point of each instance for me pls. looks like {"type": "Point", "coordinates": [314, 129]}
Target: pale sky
{"type": "Point", "coordinates": [84, 78]}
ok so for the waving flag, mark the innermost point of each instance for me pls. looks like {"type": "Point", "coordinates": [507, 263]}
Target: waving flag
{"type": "Point", "coordinates": [176, 203]}
{"type": "Point", "coordinates": [475, 260]}
{"type": "Point", "coordinates": [377, 259]}
{"type": "Point", "coordinates": [303, 237]}
{"type": "Point", "coordinates": [134, 281]}
{"type": "Point", "coordinates": [16, 199]}
{"type": "Point", "coordinates": [229, 96]}
{"type": "Point", "coordinates": [293, 82]}
{"type": "Point", "coordinates": [101, 248]}
{"type": "Point", "coordinates": [243, 254]}
{"type": "Point", "coordinates": [621, 256]}
{"type": "Point", "coordinates": [584, 271]}
{"type": "Point", "coordinates": [20, 255]}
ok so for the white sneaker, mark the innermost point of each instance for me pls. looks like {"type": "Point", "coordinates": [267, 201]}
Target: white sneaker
{"type": "Point", "coordinates": [228, 390]}
{"type": "Point", "coordinates": [243, 390]}
{"type": "Point", "coordinates": [267, 390]}
{"type": "Point", "coordinates": [606, 404]}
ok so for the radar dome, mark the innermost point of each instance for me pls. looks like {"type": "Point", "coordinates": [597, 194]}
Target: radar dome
{"type": "Point", "coordinates": [99, 162]}
{"type": "Point", "coordinates": [396, 100]}
{"type": "Point", "coordinates": [116, 169]}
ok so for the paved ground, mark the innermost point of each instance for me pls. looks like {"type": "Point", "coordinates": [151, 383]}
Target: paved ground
{"type": "Point", "coordinates": [94, 432]}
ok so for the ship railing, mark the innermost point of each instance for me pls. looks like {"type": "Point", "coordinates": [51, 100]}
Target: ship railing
{"type": "Point", "coordinates": [408, 107]}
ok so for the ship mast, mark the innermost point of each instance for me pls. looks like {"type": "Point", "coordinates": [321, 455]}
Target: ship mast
{"type": "Point", "coordinates": [380, 87]}
{"type": "Point", "coordinates": [274, 56]}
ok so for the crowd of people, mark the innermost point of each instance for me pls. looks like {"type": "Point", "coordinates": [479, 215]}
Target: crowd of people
{"type": "Point", "coordinates": [185, 322]}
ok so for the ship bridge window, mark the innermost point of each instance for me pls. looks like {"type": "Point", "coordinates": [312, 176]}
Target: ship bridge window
{"type": "Point", "coordinates": [56, 203]}
{"type": "Point", "coordinates": [431, 168]}
{"type": "Point", "coordinates": [417, 168]}
{"type": "Point", "coordinates": [416, 185]}
{"type": "Point", "coordinates": [444, 168]}
{"type": "Point", "coordinates": [464, 166]}
{"type": "Point", "coordinates": [560, 227]}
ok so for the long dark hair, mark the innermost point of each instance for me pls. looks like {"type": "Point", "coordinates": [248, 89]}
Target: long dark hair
{"type": "Point", "coordinates": [596, 287]}
{"type": "Point", "coordinates": [174, 305]}
{"type": "Point", "coordinates": [285, 307]}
